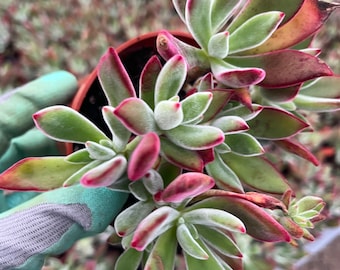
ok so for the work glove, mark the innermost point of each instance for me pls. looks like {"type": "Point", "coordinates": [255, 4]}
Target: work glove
{"type": "Point", "coordinates": [51, 222]}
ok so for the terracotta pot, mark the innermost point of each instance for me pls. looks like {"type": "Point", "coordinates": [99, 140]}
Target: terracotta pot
{"type": "Point", "coordinates": [134, 54]}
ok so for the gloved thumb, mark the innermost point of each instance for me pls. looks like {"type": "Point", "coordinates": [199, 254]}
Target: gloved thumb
{"type": "Point", "coordinates": [50, 223]}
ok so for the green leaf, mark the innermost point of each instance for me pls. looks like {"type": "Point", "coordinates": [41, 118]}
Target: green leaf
{"type": "Point", "coordinates": [147, 81]}
{"type": "Point", "coordinates": [114, 79]}
{"type": "Point", "coordinates": [156, 223]}
{"type": "Point", "coordinates": [211, 263]}
{"type": "Point", "coordinates": [220, 241]}
{"type": "Point", "coordinates": [153, 182]}
{"type": "Point", "coordinates": [168, 114]}
{"type": "Point", "coordinates": [98, 151]}
{"type": "Point", "coordinates": [38, 173]}
{"type": "Point", "coordinates": [129, 260]}
{"type": "Point", "coordinates": [243, 111]}
{"type": "Point", "coordinates": [163, 253]}
{"type": "Point", "coordinates": [218, 45]}
{"type": "Point", "coordinates": [75, 178]}
{"type": "Point", "coordinates": [171, 79]}
{"type": "Point", "coordinates": [188, 159]}
{"type": "Point", "coordinates": [219, 100]}
{"type": "Point", "coordinates": [224, 177]}
{"type": "Point", "coordinates": [198, 21]}
{"type": "Point", "coordinates": [257, 173]}
{"type": "Point", "coordinates": [214, 218]}
{"type": "Point", "coordinates": [221, 11]}
{"type": "Point", "coordinates": [120, 134]}
{"type": "Point", "coordinates": [272, 123]}
{"type": "Point", "coordinates": [317, 104]}
{"type": "Point", "coordinates": [106, 173]}
{"type": "Point", "coordinates": [136, 116]}
{"type": "Point", "coordinates": [244, 144]}
{"type": "Point", "coordinates": [189, 244]}
{"type": "Point", "coordinates": [325, 87]}
{"type": "Point", "coordinates": [64, 124]}
{"type": "Point", "coordinates": [258, 222]}
{"type": "Point", "coordinates": [254, 31]}
{"type": "Point", "coordinates": [230, 124]}
{"type": "Point", "coordinates": [127, 221]}
{"type": "Point", "coordinates": [195, 137]}
{"type": "Point", "coordinates": [195, 105]}
{"type": "Point", "coordinates": [80, 156]}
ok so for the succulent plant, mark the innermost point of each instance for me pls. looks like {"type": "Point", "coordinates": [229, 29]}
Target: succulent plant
{"type": "Point", "coordinates": [190, 143]}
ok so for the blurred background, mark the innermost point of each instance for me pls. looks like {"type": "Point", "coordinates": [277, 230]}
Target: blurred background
{"type": "Point", "coordinates": [40, 36]}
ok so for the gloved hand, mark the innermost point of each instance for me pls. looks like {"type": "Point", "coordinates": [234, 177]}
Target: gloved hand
{"type": "Point", "coordinates": [17, 140]}
{"type": "Point", "coordinates": [50, 223]}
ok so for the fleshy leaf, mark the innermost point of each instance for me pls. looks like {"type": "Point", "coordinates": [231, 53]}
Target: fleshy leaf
{"type": "Point", "coordinates": [326, 87]}
{"type": "Point", "coordinates": [195, 137]}
{"type": "Point", "coordinates": [189, 244]}
{"type": "Point", "coordinates": [188, 159]}
{"type": "Point", "coordinates": [114, 79]}
{"type": "Point", "coordinates": [236, 77]}
{"type": "Point", "coordinates": [171, 78]}
{"type": "Point", "coordinates": [220, 98]}
{"type": "Point", "coordinates": [186, 185]}
{"type": "Point", "coordinates": [280, 94]}
{"type": "Point", "coordinates": [317, 104]}
{"type": "Point", "coordinates": [263, 25]}
{"type": "Point", "coordinates": [38, 173]}
{"type": "Point", "coordinates": [307, 20]}
{"type": "Point", "coordinates": [254, 7]}
{"type": "Point", "coordinates": [158, 222]}
{"type": "Point", "coordinates": [198, 21]}
{"type": "Point", "coordinates": [130, 259]}
{"type": "Point", "coordinates": [273, 123]}
{"type": "Point", "coordinates": [243, 111]}
{"type": "Point", "coordinates": [136, 116]}
{"type": "Point", "coordinates": [224, 177]}
{"type": "Point", "coordinates": [64, 124]}
{"type": "Point", "coordinates": [221, 11]}
{"type": "Point", "coordinates": [257, 173]}
{"type": "Point", "coordinates": [98, 151]}
{"type": "Point", "coordinates": [219, 241]}
{"type": "Point", "coordinates": [230, 124]}
{"type": "Point", "coordinates": [127, 221]}
{"type": "Point", "coordinates": [206, 82]}
{"type": "Point", "coordinates": [168, 114]}
{"type": "Point", "coordinates": [106, 173]}
{"type": "Point", "coordinates": [153, 182]}
{"type": "Point", "coordinates": [298, 149]}
{"type": "Point", "coordinates": [211, 263]}
{"type": "Point", "coordinates": [139, 191]}
{"type": "Point", "coordinates": [75, 178]}
{"type": "Point", "coordinates": [179, 6]}
{"type": "Point", "coordinates": [163, 253]}
{"type": "Point", "coordinates": [244, 144]}
{"type": "Point", "coordinates": [195, 105]}
{"type": "Point", "coordinates": [285, 67]}
{"type": "Point", "coordinates": [147, 81]}
{"type": "Point", "coordinates": [144, 157]}
{"type": "Point", "coordinates": [218, 45]}
{"type": "Point", "coordinates": [120, 134]}
{"type": "Point", "coordinates": [259, 224]}
{"type": "Point", "coordinates": [214, 218]}
{"type": "Point", "coordinates": [80, 156]}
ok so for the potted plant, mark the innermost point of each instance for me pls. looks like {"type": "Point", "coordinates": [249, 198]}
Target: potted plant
{"type": "Point", "coordinates": [191, 140]}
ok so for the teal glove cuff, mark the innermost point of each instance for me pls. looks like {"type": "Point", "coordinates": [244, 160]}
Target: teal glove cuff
{"type": "Point", "coordinates": [50, 223]}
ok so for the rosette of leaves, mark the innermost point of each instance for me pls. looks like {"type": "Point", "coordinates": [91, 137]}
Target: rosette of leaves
{"type": "Point", "coordinates": [189, 142]}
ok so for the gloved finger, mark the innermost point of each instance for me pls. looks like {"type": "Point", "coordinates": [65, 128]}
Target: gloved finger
{"type": "Point", "coordinates": [50, 223]}
{"type": "Point", "coordinates": [33, 143]}
{"type": "Point", "coordinates": [18, 105]}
